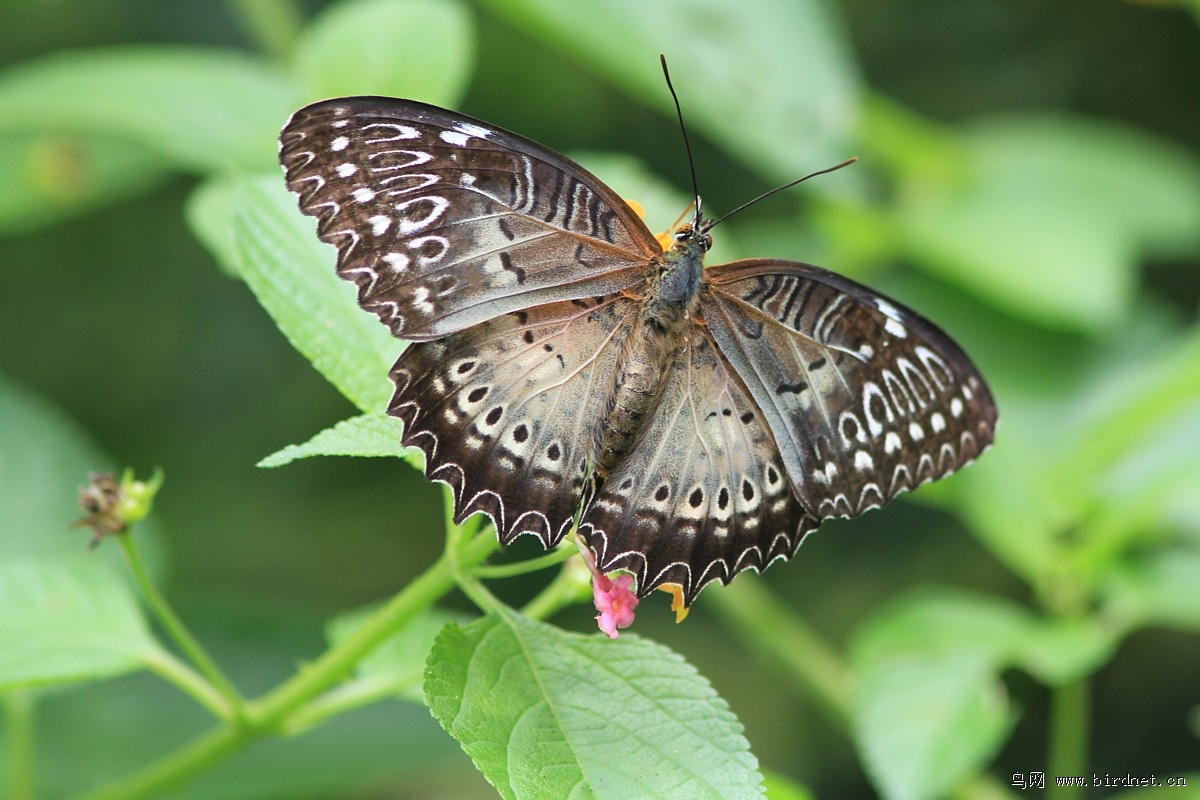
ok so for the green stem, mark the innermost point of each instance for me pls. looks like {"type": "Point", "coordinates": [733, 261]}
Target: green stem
{"type": "Point", "coordinates": [1070, 714]}
{"type": "Point", "coordinates": [359, 693]}
{"type": "Point", "coordinates": [273, 24]}
{"type": "Point", "coordinates": [337, 662]}
{"type": "Point", "coordinates": [273, 713]}
{"type": "Point", "coordinates": [176, 629]}
{"type": "Point", "coordinates": [562, 591]}
{"type": "Point", "coordinates": [555, 557]}
{"type": "Point", "coordinates": [755, 616]}
{"type": "Point", "coordinates": [166, 666]}
{"type": "Point", "coordinates": [187, 762]}
{"type": "Point", "coordinates": [18, 707]}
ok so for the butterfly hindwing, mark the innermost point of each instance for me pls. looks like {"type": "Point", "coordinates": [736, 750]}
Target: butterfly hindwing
{"type": "Point", "coordinates": [704, 493]}
{"type": "Point", "coordinates": [444, 221]}
{"type": "Point", "coordinates": [865, 397]}
{"type": "Point", "coordinates": [505, 411]}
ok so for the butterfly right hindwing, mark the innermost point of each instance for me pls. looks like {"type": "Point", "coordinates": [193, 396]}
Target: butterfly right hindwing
{"type": "Point", "coordinates": [704, 493]}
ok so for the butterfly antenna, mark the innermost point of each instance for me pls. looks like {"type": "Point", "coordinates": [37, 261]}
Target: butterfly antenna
{"type": "Point", "coordinates": [683, 129]}
{"type": "Point", "coordinates": [767, 194]}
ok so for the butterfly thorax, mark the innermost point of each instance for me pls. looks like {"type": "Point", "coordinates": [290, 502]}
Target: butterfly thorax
{"type": "Point", "coordinates": [675, 289]}
{"type": "Point", "coordinates": [669, 298]}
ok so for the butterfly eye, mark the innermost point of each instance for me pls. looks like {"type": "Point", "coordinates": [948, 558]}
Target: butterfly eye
{"type": "Point", "coordinates": [683, 233]}
{"type": "Point", "coordinates": [707, 242]}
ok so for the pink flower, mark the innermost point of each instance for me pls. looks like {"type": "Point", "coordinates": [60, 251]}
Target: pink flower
{"type": "Point", "coordinates": [612, 596]}
{"type": "Point", "coordinates": [614, 601]}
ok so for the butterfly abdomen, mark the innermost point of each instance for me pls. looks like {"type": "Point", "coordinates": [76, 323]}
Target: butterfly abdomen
{"type": "Point", "coordinates": [669, 298]}
{"type": "Point", "coordinates": [635, 390]}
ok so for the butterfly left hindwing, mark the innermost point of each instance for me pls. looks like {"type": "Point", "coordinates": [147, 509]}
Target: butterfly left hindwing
{"type": "Point", "coordinates": [505, 411]}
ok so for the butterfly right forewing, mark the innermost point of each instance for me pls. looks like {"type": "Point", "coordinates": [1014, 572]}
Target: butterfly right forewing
{"type": "Point", "coordinates": [444, 222]}
{"type": "Point", "coordinates": [865, 397]}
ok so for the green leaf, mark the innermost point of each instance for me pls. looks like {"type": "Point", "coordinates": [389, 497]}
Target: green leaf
{"type": "Point", "coordinates": [292, 275]}
{"type": "Point", "coordinates": [1042, 221]}
{"type": "Point", "coordinates": [68, 612]}
{"type": "Point", "coordinates": [1008, 497]}
{"type": "Point", "coordinates": [546, 713]}
{"type": "Point", "coordinates": [1162, 589]}
{"type": "Point", "coordinates": [422, 49]}
{"type": "Point", "coordinates": [781, 787]}
{"type": "Point", "coordinates": [398, 663]}
{"type": "Point", "coordinates": [365, 435]}
{"type": "Point", "coordinates": [1058, 651]}
{"type": "Point", "coordinates": [202, 109]}
{"type": "Point", "coordinates": [209, 215]}
{"type": "Point", "coordinates": [44, 460]}
{"type": "Point", "coordinates": [746, 56]}
{"type": "Point", "coordinates": [48, 178]}
{"type": "Point", "coordinates": [1122, 463]}
{"type": "Point", "coordinates": [66, 621]}
{"type": "Point", "coordinates": [924, 724]}
{"type": "Point", "coordinates": [930, 709]}
{"type": "Point", "coordinates": [1131, 407]}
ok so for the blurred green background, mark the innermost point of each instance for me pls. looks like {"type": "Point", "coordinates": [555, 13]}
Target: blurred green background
{"type": "Point", "coordinates": [1073, 283]}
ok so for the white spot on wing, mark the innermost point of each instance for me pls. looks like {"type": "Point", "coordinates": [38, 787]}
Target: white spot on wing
{"type": "Point", "coordinates": [363, 195]}
{"type": "Point", "coordinates": [397, 261]}
{"type": "Point", "coordinates": [893, 324]}
{"type": "Point", "coordinates": [421, 300]}
{"type": "Point", "coordinates": [380, 224]}
{"type": "Point", "coordinates": [346, 170]}
{"type": "Point", "coordinates": [339, 144]}
{"type": "Point", "coordinates": [462, 133]}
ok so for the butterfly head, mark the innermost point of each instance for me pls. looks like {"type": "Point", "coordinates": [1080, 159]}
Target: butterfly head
{"type": "Point", "coordinates": [692, 237]}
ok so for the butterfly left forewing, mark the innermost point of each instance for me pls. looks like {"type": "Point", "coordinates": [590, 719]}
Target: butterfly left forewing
{"type": "Point", "coordinates": [866, 398]}
{"type": "Point", "coordinates": [703, 494]}
{"type": "Point", "coordinates": [444, 221]}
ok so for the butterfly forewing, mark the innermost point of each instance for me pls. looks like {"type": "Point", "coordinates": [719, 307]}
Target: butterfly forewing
{"type": "Point", "coordinates": [865, 397]}
{"type": "Point", "coordinates": [704, 493]}
{"type": "Point", "coordinates": [444, 222]}
{"type": "Point", "coordinates": [506, 411]}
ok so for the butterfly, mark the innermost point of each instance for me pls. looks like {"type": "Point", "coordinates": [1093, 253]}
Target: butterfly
{"type": "Point", "coordinates": [568, 370]}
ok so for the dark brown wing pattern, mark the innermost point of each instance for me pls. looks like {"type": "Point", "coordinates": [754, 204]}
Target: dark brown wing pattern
{"type": "Point", "coordinates": [865, 397]}
{"type": "Point", "coordinates": [444, 221]}
{"type": "Point", "coordinates": [506, 411]}
{"type": "Point", "coordinates": [554, 335]}
{"type": "Point", "coordinates": [704, 494]}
